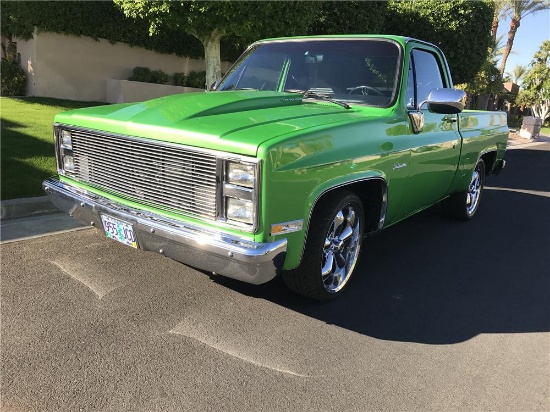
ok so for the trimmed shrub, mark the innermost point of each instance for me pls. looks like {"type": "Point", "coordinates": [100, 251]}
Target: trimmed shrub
{"type": "Point", "coordinates": [514, 122]}
{"type": "Point", "coordinates": [13, 80]}
{"type": "Point", "coordinates": [196, 79]}
{"type": "Point", "coordinates": [141, 74]}
{"type": "Point", "coordinates": [146, 75]}
{"type": "Point", "coordinates": [179, 79]}
{"type": "Point", "coordinates": [159, 77]}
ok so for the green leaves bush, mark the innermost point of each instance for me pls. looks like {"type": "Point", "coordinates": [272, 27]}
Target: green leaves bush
{"type": "Point", "coordinates": [196, 79]}
{"type": "Point", "coordinates": [514, 122]}
{"type": "Point", "coordinates": [13, 78]}
{"type": "Point", "coordinates": [146, 75]}
{"type": "Point", "coordinates": [80, 18]}
{"type": "Point", "coordinates": [460, 27]}
{"type": "Point", "coordinates": [179, 79]}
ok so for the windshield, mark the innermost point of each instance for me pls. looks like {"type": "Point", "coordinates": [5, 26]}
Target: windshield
{"type": "Point", "coordinates": [363, 71]}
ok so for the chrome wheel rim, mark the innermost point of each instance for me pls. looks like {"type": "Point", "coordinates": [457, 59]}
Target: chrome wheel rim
{"type": "Point", "coordinates": [474, 192]}
{"type": "Point", "coordinates": [341, 249]}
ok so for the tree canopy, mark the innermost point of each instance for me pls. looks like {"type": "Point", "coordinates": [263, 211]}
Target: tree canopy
{"type": "Point", "coordinates": [536, 83]}
{"type": "Point", "coordinates": [210, 21]}
{"type": "Point", "coordinates": [461, 28]}
{"type": "Point", "coordinates": [518, 9]}
{"type": "Point", "coordinates": [194, 28]}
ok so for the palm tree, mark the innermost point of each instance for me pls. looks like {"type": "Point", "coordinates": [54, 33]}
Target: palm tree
{"type": "Point", "coordinates": [519, 9]}
{"type": "Point", "coordinates": [501, 7]}
{"type": "Point", "coordinates": [518, 72]}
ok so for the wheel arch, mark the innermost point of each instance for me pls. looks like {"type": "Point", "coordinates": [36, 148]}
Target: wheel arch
{"type": "Point", "coordinates": [371, 189]}
{"type": "Point", "coordinates": [489, 157]}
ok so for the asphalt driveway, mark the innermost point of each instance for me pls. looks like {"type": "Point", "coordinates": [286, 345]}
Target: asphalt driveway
{"type": "Point", "coordinates": [442, 316]}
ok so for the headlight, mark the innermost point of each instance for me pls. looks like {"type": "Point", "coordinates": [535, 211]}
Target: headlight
{"type": "Point", "coordinates": [64, 149]}
{"type": "Point", "coordinates": [241, 174]}
{"type": "Point", "coordinates": [66, 139]}
{"type": "Point", "coordinates": [240, 210]}
{"type": "Point", "coordinates": [68, 162]}
{"type": "Point", "coordinates": [239, 192]}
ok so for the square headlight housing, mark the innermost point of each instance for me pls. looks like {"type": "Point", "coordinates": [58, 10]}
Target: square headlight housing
{"type": "Point", "coordinates": [64, 149]}
{"type": "Point", "coordinates": [240, 187]}
{"type": "Point", "coordinates": [66, 139]}
{"type": "Point", "coordinates": [241, 174]}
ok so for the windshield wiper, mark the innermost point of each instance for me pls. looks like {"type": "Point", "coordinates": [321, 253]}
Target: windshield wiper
{"type": "Point", "coordinates": [232, 87]}
{"type": "Point", "coordinates": [313, 95]}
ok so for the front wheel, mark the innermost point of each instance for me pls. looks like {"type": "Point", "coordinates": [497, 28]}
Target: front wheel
{"type": "Point", "coordinates": [464, 205]}
{"type": "Point", "coordinates": [332, 248]}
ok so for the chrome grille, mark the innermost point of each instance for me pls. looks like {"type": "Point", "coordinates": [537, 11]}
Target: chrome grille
{"type": "Point", "coordinates": [160, 175]}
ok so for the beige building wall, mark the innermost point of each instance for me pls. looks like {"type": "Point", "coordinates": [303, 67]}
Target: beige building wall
{"type": "Point", "coordinates": [77, 68]}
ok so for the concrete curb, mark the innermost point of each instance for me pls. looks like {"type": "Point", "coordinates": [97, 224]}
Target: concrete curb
{"type": "Point", "coordinates": [26, 207]}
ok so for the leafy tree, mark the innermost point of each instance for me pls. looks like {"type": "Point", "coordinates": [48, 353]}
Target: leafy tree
{"type": "Point", "coordinates": [209, 22]}
{"type": "Point", "coordinates": [461, 28]}
{"type": "Point", "coordinates": [536, 84]}
{"type": "Point", "coordinates": [519, 9]}
{"type": "Point", "coordinates": [487, 80]}
{"type": "Point", "coordinates": [80, 18]}
{"type": "Point", "coordinates": [349, 17]}
{"type": "Point", "coordinates": [517, 74]}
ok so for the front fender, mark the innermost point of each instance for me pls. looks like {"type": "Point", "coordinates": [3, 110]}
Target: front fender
{"type": "Point", "coordinates": [294, 204]}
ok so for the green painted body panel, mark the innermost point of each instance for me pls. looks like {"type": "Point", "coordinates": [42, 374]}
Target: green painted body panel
{"type": "Point", "coordinates": [308, 147]}
{"type": "Point", "coordinates": [235, 122]}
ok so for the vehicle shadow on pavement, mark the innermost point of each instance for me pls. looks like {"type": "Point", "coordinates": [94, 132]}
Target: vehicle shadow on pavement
{"type": "Point", "coordinates": [433, 280]}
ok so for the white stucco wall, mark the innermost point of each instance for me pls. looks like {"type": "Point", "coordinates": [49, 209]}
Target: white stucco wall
{"type": "Point", "coordinates": [77, 68]}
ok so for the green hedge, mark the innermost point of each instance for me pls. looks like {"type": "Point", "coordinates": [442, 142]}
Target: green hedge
{"type": "Point", "coordinates": [514, 122]}
{"type": "Point", "coordinates": [13, 80]}
{"type": "Point", "coordinates": [460, 27]}
{"type": "Point", "coordinates": [98, 19]}
{"type": "Point", "coordinates": [146, 75]}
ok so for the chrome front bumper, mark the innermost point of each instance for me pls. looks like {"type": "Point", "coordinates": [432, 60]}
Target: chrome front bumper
{"type": "Point", "coordinates": [207, 250]}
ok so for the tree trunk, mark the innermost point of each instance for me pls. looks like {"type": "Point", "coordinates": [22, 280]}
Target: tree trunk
{"type": "Point", "coordinates": [212, 57]}
{"type": "Point", "coordinates": [541, 110]}
{"type": "Point", "coordinates": [514, 24]}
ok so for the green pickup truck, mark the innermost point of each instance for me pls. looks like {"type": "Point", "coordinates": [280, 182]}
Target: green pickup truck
{"type": "Point", "coordinates": [306, 146]}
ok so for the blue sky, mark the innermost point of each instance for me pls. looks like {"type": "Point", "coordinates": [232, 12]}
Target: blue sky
{"type": "Point", "coordinates": [534, 29]}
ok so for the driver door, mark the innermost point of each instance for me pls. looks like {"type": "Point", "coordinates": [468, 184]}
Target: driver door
{"type": "Point", "coordinates": [435, 150]}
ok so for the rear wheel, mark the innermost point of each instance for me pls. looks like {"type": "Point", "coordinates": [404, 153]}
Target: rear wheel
{"type": "Point", "coordinates": [464, 205]}
{"type": "Point", "coordinates": [332, 248]}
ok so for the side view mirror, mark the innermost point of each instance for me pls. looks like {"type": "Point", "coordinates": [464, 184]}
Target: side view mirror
{"type": "Point", "coordinates": [445, 101]}
{"type": "Point", "coordinates": [214, 86]}
{"type": "Point", "coordinates": [442, 101]}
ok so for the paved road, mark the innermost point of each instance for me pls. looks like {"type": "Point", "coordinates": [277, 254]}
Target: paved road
{"type": "Point", "coordinates": [443, 316]}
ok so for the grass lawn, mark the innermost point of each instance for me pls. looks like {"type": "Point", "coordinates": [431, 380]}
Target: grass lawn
{"type": "Point", "coordinates": [545, 131]}
{"type": "Point", "coordinates": [27, 151]}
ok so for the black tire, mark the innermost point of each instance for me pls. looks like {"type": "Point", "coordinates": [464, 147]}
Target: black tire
{"type": "Point", "coordinates": [333, 243]}
{"type": "Point", "coordinates": [464, 205]}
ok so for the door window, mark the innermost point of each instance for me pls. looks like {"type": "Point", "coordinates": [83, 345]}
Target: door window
{"type": "Point", "coordinates": [425, 75]}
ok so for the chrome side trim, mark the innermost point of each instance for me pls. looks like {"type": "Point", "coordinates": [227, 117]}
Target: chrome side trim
{"type": "Point", "coordinates": [204, 249]}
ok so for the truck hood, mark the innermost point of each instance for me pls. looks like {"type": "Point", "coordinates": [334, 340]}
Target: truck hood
{"type": "Point", "coordinates": [235, 121]}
